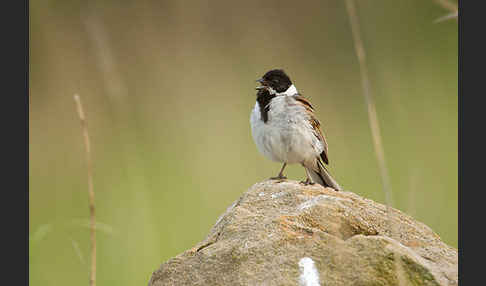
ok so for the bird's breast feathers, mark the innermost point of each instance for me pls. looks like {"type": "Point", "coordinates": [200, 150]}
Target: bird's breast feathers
{"type": "Point", "coordinates": [288, 135]}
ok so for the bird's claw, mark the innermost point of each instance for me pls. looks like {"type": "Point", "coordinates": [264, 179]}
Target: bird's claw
{"type": "Point", "coordinates": [279, 177]}
{"type": "Point", "coordinates": [307, 182]}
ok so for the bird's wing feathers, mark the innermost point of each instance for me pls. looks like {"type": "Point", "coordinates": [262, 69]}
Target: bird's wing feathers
{"type": "Point", "coordinates": [316, 125]}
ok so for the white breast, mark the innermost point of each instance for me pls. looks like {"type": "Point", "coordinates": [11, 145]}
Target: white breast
{"type": "Point", "coordinates": [287, 136]}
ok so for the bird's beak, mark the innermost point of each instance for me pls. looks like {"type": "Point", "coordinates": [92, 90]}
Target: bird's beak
{"type": "Point", "coordinates": [260, 80]}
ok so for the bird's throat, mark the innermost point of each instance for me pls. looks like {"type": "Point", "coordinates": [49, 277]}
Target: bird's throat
{"type": "Point", "coordinates": [263, 99]}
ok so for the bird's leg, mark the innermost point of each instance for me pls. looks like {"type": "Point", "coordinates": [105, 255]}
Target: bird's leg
{"type": "Point", "coordinates": [308, 180]}
{"type": "Point", "coordinates": [280, 175]}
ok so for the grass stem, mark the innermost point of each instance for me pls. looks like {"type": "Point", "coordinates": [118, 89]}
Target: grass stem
{"type": "Point", "coordinates": [91, 194]}
{"type": "Point", "coordinates": [452, 7]}
{"type": "Point", "coordinates": [372, 115]}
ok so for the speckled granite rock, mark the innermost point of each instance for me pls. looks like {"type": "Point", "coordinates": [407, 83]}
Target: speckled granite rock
{"type": "Point", "coordinates": [284, 233]}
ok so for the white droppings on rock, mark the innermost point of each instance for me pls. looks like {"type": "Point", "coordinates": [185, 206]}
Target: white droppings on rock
{"type": "Point", "coordinates": [261, 194]}
{"type": "Point", "coordinates": [308, 272]}
{"type": "Point", "coordinates": [315, 200]}
{"type": "Point", "coordinates": [277, 195]}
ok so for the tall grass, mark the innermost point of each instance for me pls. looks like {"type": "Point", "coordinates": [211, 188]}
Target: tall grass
{"type": "Point", "coordinates": [371, 108]}
{"type": "Point", "coordinates": [91, 194]}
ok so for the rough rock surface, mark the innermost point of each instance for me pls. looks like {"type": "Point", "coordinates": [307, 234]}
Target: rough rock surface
{"type": "Point", "coordinates": [285, 233]}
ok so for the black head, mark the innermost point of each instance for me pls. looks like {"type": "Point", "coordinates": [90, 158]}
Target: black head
{"type": "Point", "coordinates": [276, 79]}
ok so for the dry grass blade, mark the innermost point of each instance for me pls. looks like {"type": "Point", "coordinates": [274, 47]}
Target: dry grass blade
{"type": "Point", "coordinates": [452, 7]}
{"type": "Point", "coordinates": [372, 116]}
{"type": "Point", "coordinates": [452, 15]}
{"type": "Point", "coordinates": [447, 5]}
{"type": "Point", "coordinates": [373, 120]}
{"type": "Point", "coordinates": [77, 250]}
{"type": "Point", "coordinates": [92, 278]}
{"type": "Point", "coordinates": [100, 226]}
{"type": "Point", "coordinates": [41, 232]}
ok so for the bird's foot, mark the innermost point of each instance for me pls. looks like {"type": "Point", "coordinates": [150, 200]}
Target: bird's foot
{"type": "Point", "coordinates": [279, 177]}
{"type": "Point", "coordinates": [307, 182]}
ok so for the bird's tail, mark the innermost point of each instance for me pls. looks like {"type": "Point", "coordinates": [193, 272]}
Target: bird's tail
{"type": "Point", "coordinates": [320, 175]}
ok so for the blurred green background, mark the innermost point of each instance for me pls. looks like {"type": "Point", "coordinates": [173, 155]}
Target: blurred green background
{"type": "Point", "coordinates": [168, 87]}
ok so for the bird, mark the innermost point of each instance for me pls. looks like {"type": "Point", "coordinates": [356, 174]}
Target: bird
{"type": "Point", "coordinates": [285, 129]}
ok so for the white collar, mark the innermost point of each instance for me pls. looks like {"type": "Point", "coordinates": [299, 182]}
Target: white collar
{"type": "Point", "coordinates": [290, 91]}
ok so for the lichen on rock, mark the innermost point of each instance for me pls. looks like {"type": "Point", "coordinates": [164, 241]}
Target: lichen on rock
{"type": "Point", "coordinates": [276, 230]}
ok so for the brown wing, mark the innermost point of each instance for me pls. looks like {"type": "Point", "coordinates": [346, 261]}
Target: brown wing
{"type": "Point", "coordinates": [316, 125]}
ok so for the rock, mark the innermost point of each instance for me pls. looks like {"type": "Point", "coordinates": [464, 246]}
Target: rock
{"type": "Point", "coordinates": [285, 233]}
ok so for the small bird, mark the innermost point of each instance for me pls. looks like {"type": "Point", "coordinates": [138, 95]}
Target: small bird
{"type": "Point", "coordinates": [285, 129]}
